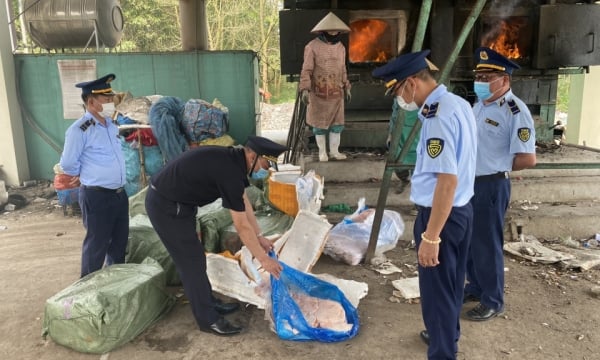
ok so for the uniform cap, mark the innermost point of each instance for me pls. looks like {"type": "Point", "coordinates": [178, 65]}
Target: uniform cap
{"type": "Point", "coordinates": [402, 67]}
{"type": "Point", "coordinates": [99, 86]}
{"type": "Point", "coordinates": [330, 23]}
{"type": "Point", "coordinates": [489, 60]}
{"type": "Point", "coordinates": [266, 148]}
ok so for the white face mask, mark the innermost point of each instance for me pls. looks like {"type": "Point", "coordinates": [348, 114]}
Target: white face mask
{"type": "Point", "coordinates": [108, 110]}
{"type": "Point", "coordinates": [412, 106]}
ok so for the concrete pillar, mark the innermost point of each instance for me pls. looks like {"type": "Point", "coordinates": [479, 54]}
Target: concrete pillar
{"type": "Point", "coordinates": [588, 131]}
{"type": "Point", "coordinates": [13, 152]}
{"type": "Point", "coordinates": [194, 28]}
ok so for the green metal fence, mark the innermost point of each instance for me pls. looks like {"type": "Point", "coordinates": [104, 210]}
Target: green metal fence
{"type": "Point", "coordinates": [230, 76]}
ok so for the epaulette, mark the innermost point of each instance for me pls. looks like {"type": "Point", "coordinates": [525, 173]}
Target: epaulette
{"type": "Point", "coordinates": [87, 124]}
{"type": "Point", "coordinates": [514, 108]}
{"type": "Point", "coordinates": [430, 111]}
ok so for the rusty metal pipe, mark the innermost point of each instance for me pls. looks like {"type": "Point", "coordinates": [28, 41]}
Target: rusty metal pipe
{"type": "Point", "coordinates": [582, 147]}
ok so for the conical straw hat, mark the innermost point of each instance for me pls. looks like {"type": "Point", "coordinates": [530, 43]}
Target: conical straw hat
{"type": "Point", "coordinates": [330, 23]}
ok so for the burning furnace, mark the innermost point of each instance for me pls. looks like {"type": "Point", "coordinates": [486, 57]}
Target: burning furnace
{"type": "Point", "coordinates": [541, 36]}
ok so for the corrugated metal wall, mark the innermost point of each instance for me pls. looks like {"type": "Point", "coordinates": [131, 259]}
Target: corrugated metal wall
{"type": "Point", "coordinates": [230, 76]}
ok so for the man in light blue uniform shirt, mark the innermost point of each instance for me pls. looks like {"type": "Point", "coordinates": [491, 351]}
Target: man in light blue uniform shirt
{"type": "Point", "coordinates": [92, 154]}
{"type": "Point", "coordinates": [506, 136]}
{"type": "Point", "coordinates": [442, 187]}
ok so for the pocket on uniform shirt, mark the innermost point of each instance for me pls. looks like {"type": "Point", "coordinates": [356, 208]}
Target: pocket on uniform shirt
{"type": "Point", "coordinates": [493, 130]}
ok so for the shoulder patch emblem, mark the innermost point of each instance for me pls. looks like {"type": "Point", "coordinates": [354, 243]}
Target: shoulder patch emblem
{"type": "Point", "coordinates": [87, 124]}
{"type": "Point", "coordinates": [524, 134]}
{"type": "Point", "coordinates": [435, 146]}
{"type": "Point", "coordinates": [514, 108]}
{"type": "Point", "coordinates": [431, 110]}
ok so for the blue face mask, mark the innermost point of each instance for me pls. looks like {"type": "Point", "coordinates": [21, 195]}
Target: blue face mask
{"type": "Point", "coordinates": [482, 89]}
{"type": "Point", "coordinates": [260, 174]}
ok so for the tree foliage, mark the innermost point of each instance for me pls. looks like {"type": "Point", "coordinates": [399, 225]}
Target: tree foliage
{"type": "Point", "coordinates": [150, 25]}
{"type": "Point", "coordinates": [154, 26]}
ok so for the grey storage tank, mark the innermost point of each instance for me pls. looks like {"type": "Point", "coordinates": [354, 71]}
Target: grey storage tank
{"type": "Point", "coordinates": [74, 23]}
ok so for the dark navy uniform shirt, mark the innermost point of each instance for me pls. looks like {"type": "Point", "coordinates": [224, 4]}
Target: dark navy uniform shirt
{"type": "Point", "coordinates": [202, 175]}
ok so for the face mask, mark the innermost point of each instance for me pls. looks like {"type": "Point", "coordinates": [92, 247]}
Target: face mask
{"type": "Point", "coordinates": [108, 109]}
{"type": "Point", "coordinates": [482, 89]}
{"type": "Point", "coordinates": [412, 106]}
{"type": "Point", "coordinates": [260, 174]}
{"type": "Point", "coordinates": [333, 39]}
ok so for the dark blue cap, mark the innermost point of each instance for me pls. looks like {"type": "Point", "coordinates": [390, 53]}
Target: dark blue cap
{"type": "Point", "coordinates": [265, 147]}
{"type": "Point", "coordinates": [99, 86]}
{"type": "Point", "coordinates": [489, 60]}
{"type": "Point", "coordinates": [402, 67]}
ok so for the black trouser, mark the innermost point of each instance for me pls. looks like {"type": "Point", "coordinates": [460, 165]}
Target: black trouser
{"type": "Point", "coordinates": [105, 215]}
{"type": "Point", "coordinates": [175, 224]}
{"type": "Point", "coordinates": [442, 286]}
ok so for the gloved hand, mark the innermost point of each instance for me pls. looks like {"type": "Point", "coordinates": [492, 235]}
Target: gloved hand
{"type": "Point", "coordinates": [304, 97]}
{"type": "Point", "coordinates": [348, 95]}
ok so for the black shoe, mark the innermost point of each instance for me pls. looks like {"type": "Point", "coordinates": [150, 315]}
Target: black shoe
{"type": "Point", "coordinates": [470, 298]}
{"type": "Point", "coordinates": [424, 336]}
{"type": "Point", "coordinates": [226, 308]}
{"type": "Point", "coordinates": [482, 313]}
{"type": "Point", "coordinates": [222, 327]}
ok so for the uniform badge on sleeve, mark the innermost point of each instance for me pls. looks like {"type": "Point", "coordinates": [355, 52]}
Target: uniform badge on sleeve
{"type": "Point", "coordinates": [87, 124]}
{"type": "Point", "coordinates": [435, 146]}
{"type": "Point", "coordinates": [524, 134]}
{"type": "Point", "coordinates": [514, 108]}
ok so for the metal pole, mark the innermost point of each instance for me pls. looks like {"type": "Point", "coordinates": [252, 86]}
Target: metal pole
{"type": "Point", "coordinates": [464, 34]}
{"type": "Point", "coordinates": [422, 25]}
{"type": "Point", "coordinates": [387, 174]}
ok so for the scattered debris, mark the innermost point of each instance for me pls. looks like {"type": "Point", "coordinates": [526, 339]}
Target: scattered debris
{"type": "Point", "coordinates": [534, 251]}
{"type": "Point", "coordinates": [408, 288]}
{"type": "Point", "coordinates": [386, 268]}
{"type": "Point", "coordinates": [595, 291]}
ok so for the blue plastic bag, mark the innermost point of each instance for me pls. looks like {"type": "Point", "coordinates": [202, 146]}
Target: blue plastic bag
{"type": "Point", "coordinates": [290, 323]}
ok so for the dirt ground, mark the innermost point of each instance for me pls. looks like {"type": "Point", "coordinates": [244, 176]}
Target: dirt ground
{"type": "Point", "coordinates": [550, 313]}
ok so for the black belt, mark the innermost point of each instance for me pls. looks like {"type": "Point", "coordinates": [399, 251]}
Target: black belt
{"type": "Point", "coordinates": [496, 176]}
{"type": "Point", "coordinates": [100, 188]}
{"type": "Point", "coordinates": [422, 208]}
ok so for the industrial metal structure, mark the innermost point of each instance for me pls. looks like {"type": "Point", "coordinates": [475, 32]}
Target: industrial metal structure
{"type": "Point", "coordinates": [63, 24]}
{"type": "Point", "coordinates": [539, 35]}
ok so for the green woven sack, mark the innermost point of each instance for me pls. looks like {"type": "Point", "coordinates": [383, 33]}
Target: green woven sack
{"type": "Point", "coordinates": [144, 243]}
{"type": "Point", "coordinates": [107, 308]}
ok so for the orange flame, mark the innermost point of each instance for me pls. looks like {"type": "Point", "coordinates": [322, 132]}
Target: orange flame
{"type": "Point", "coordinates": [368, 41]}
{"type": "Point", "coordinates": [505, 40]}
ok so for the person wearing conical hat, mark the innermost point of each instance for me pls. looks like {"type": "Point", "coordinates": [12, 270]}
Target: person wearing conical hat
{"type": "Point", "coordinates": [324, 85]}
